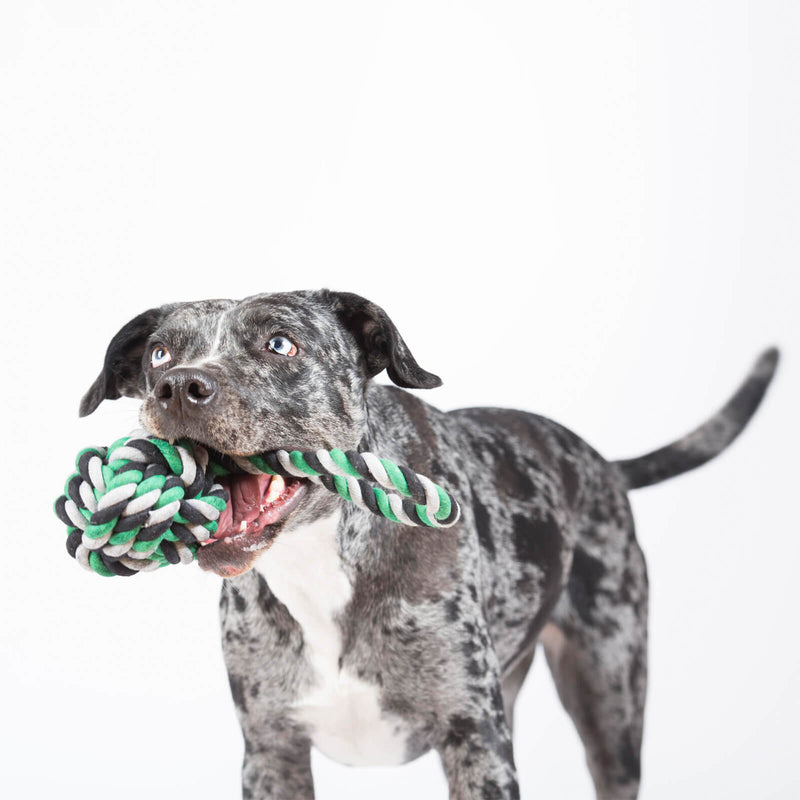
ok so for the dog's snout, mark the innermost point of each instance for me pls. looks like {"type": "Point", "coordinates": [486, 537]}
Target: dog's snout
{"type": "Point", "coordinates": [186, 390]}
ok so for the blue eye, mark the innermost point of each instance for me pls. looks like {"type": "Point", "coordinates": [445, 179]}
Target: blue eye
{"type": "Point", "coordinates": [159, 356]}
{"type": "Point", "coordinates": [282, 346]}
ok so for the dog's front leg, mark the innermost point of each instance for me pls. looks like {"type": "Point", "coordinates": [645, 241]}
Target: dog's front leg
{"type": "Point", "coordinates": [278, 765]}
{"type": "Point", "coordinates": [476, 750]}
{"type": "Point", "coordinates": [262, 645]}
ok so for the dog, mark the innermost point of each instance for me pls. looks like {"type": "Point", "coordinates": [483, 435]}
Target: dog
{"type": "Point", "coordinates": [373, 641]}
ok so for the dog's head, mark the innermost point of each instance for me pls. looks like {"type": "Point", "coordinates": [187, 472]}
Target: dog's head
{"type": "Point", "coordinates": [273, 371]}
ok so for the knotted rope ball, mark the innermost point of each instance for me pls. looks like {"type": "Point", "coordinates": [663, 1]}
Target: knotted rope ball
{"type": "Point", "coordinates": [143, 502]}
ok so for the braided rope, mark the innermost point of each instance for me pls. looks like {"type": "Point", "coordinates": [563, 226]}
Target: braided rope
{"type": "Point", "coordinates": [143, 503]}
{"type": "Point", "coordinates": [411, 499]}
{"type": "Point", "coordinates": [138, 505]}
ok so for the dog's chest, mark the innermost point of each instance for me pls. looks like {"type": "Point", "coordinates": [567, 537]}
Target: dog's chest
{"type": "Point", "coordinates": [343, 713]}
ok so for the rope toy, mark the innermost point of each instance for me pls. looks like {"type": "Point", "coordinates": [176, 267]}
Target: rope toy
{"type": "Point", "coordinates": [143, 503]}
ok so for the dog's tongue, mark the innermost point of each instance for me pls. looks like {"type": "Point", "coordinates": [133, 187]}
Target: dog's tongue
{"type": "Point", "coordinates": [246, 493]}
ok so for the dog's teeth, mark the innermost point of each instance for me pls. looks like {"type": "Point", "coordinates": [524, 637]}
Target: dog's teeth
{"type": "Point", "coordinates": [276, 487]}
{"type": "Point", "coordinates": [243, 526]}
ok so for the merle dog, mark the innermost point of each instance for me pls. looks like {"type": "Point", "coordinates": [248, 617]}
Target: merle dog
{"type": "Point", "coordinates": [373, 641]}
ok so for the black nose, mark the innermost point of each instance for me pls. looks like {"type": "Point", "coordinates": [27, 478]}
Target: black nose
{"type": "Point", "coordinates": [187, 391]}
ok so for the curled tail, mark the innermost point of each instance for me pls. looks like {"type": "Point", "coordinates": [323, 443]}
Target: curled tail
{"type": "Point", "coordinates": [711, 438]}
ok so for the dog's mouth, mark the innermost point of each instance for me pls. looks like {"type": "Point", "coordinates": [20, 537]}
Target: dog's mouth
{"type": "Point", "coordinates": [256, 501]}
{"type": "Point", "coordinates": [253, 517]}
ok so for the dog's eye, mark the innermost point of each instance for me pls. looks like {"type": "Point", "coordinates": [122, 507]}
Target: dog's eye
{"type": "Point", "coordinates": [159, 356]}
{"type": "Point", "coordinates": [282, 346]}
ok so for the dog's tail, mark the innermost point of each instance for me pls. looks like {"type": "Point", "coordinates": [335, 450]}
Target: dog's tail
{"type": "Point", "coordinates": [711, 438]}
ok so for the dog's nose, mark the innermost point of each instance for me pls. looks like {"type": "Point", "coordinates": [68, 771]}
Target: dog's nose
{"type": "Point", "coordinates": [190, 391]}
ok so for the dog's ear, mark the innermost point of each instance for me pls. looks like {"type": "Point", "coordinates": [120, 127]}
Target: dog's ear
{"type": "Point", "coordinates": [122, 375]}
{"type": "Point", "coordinates": [380, 342]}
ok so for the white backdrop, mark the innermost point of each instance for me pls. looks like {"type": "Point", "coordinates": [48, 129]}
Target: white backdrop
{"type": "Point", "coordinates": [588, 210]}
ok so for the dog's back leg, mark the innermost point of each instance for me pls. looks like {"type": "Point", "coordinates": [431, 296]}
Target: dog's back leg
{"type": "Point", "coordinates": [512, 683]}
{"type": "Point", "coordinates": [595, 646]}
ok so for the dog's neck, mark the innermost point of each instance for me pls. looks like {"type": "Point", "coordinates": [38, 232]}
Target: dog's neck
{"type": "Point", "coordinates": [397, 426]}
{"type": "Point", "coordinates": [354, 554]}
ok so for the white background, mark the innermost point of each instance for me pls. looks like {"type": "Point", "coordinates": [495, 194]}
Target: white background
{"type": "Point", "coordinates": [589, 210]}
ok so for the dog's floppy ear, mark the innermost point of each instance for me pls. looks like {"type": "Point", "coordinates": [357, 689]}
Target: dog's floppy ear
{"type": "Point", "coordinates": [380, 341]}
{"type": "Point", "coordinates": [121, 375]}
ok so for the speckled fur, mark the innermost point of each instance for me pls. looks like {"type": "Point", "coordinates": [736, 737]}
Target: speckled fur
{"type": "Point", "coordinates": [445, 622]}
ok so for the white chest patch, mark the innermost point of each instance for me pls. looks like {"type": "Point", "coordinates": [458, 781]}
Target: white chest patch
{"type": "Point", "coordinates": [342, 712]}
